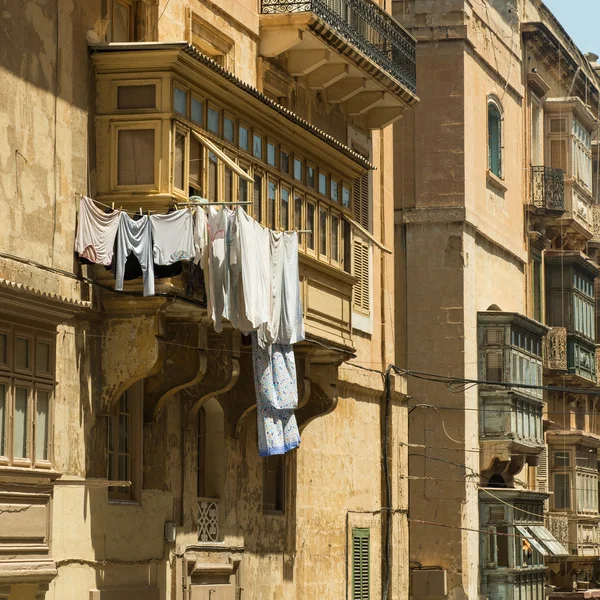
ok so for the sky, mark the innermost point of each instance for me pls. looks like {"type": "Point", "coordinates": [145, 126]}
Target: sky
{"type": "Point", "coordinates": [581, 20]}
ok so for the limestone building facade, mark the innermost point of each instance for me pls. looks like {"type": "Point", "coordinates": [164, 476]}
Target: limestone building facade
{"type": "Point", "coordinates": [496, 263]}
{"type": "Point", "coordinates": [128, 455]}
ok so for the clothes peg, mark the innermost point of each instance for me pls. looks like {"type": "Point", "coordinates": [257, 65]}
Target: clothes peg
{"type": "Point", "coordinates": [141, 213]}
{"type": "Point", "coordinates": [113, 206]}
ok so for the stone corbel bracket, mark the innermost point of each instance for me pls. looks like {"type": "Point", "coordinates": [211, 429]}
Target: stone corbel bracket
{"type": "Point", "coordinates": [322, 394]}
{"type": "Point", "coordinates": [244, 400]}
{"type": "Point", "coordinates": [222, 371]}
{"type": "Point", "coordinates": [185, 365]}
{"type": "Point", "coordinates": [132, 345]}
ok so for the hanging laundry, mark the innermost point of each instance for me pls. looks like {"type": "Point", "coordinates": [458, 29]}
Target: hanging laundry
{"type": "Point", "coordinates": [96, 232]}
{"type": "Point", "coordinates": [200, 224]}
{"type": "Point", "coordinates": [276, 397]}
{"type": "Point", "coordinates": [135, 237]}
{"type": "Point", "coordinates": [285, 325]}
{"type": "Point", "coordinates": [218, 271]}
{"type": "Point", "coordinates": [172, 237]}
{"type": "Point", "coordinates": [234, 297]}
{"type": "Point", "coordinates": [254, 265]}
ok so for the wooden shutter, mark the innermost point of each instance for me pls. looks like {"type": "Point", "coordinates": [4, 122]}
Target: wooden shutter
{"type": "Point", "coordinates": [360, 564]}
{"type": "Point", "coordinates": [135, 158]}
{"type": "Point", "coordinates": [558, 154]}
{"type": "Point", "coordinates": [360, 247]}
{"type": "Point", "coordinates": [542, 472]}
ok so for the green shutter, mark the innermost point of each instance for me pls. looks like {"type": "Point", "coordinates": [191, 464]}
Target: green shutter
{"type": "Point", "coordinates": [494, 140]}
{"type": "Point", "coordinates": [360, 564]}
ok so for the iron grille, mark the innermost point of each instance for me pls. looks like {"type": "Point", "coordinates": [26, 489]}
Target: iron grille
{"type": "Point", "coordinates": [367, 27]}
{"type": "Point", "coordinates": [548, 188]}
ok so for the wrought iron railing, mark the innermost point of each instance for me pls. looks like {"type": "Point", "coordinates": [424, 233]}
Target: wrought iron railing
{"type": "Point", "coordinates": [555, 349]}
{"type": "Point", "coordinates": [548, 188]}
{"type": "Point", "coordinates": [366, 26]}
{"type": "Point", "coordinates": [208, 520]}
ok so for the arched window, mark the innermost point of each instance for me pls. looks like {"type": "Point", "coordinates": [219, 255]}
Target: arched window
{"type": "Point", "coordinates": [494, 138]}
{"type": "Point", "coordinates": [210, 450]}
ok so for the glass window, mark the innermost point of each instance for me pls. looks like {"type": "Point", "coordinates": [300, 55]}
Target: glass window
{"type": "Point", "coordinates": [3, 349]}
{"type": "Point", "coordinates": [121, 22]}
{"type": "Point", "coordinates": [213, 178]}
{"type": "Point", "coordinates": [310, 177]}
{"type": "Point", "coordinates": [42, 357]}
{"type": "Point", "coordinates": [345, 197]}
{"type": "Point", "coordinates": [228, 185]}
{"type": "Point", "coordinates": [298, 203]}
{"type": "Point", "coordinates": [334, 190]}
{"type": "Point", "coordinates": [323, 231]}
{"type": "Point", "coordinates": [195, 167]}
{"type": "Point", "coordinates": [494, 139]}
{"type": "Point", "coordinates": [243, 188]}
{"type": "Point", "coordinates": [179, 161]}
{"type": "Point", "coordinates": [21, 423]}
{"type": "Point", "coordinates": [257, 146]}
{"type": "Point", "coordinates": [284, 217]}
{"type": "Point", "coordinates": [335, 238]}
{"type": "Point", "coordinates": [213, 120]}
{"type": "Point", "coordinates": [562, 491]}
{"type": "Point", "coordinates": [42, 410]}
{"type": "Point", "coordinates": [244, 138]}
{"type": "Point", "coordinates": [297, 169]}
{"type": "Point", "coordinates": [271, 204]}
{"type": "Point", "coordinates": [136, 97]}
{"type": "Point", "coordinates": [197, 110]}
{"type": "Point", "coordinates": [323, 184]}
{"type": "Point", "coordinates": [257, 207]}
{"type": "Point", "coordinates": [228, 129]}
{"type": "Point", "coordinates": [310, 225]}
{"type": "Point", "coordinates": [180, 101]}
{"type": "Point", "coordinates": [284, 162]}
{"type": "Point", "coordinates": [135, 157]}
{"type": "Point", "coordinates": [22, 353]}
{"type": "Point", "coordinates": [561, 459]}
{"type": "Point", "coordinates": [271, 154]}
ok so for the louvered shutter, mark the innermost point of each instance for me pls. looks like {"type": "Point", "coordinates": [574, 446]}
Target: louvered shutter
{"type": "Point", "coordinates": [360, 564]}
{"type": "Point", "coordinates": [360, 248]}
{"type": "Point", "coordinates": [542, 471]}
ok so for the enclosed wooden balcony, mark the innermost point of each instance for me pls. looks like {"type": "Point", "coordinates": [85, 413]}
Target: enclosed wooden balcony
{"type": "Point", "coordinates": [352, 49]}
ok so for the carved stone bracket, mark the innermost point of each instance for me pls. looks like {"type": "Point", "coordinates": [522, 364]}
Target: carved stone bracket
{"type": "Point", "coordinates": [132, 346]}
{"type": "Point", "coordinates": [323, 394]}
{"type": "Point", "coordinates": [185, 364]}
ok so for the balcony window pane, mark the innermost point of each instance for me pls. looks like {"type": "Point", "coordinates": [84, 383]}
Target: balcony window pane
{"type": "Point", "coordinates": [3, 349]}
{"type": "Point", "coordinates": [562, 491]}
{"type": "Point", "coordinates": [22, 353]}
{"type": "Point", "coordinates": [323, 231]}
{"type": "Point", "coordinates": [121, 22]}
{"type": "Point", "coordinates": [135, 157]}
{"type": "Point", "coordinates": [21, 423]}
{"type": "Point", "coordinates": [195, 167]}
{"type": "Point", "coordinates": [323, 184]}
{"type": "Point", "coordinates": [42, 357]}
{"type": "Point", "coordinates": [310, 225]}
{"type": "Point", "coordinates": [345, 197]}
{"type": "Point", "coordinates": [284, 217]}
{"type": "Point", "coordinates": [271, 154]}
{"type": "Point", "coordinates": [257, 207]}
{"type": "Point", "coordinates": [228, 130]}
{"type": "Point", "coordinates": [298, 212]}
{"type": "Point", "coordinates": [228, 185]}
{"type": "Point", "coordinates": [284, 162]}
{"type": "Point", "coordinates": [197, 111]}
{"type": "Point", "coordinates": [335, 227]}
{"type": "Point", "coordinates": [257, 146]}
{"type": "Point", "coordinates": [179, 160]}
{"type": "Point", "coordinates": [334, 190]}
{"type": "Point", "coordinates": [180, 101]}
{"type": "Point", "coordinates": [244, 138]}
{"type": "Point", "coordinates": [42, 410]}
{"type": "Point", "coordinates": [310, 177]}
{"type": "Point", "coordinates": [2, 419]}
{"type": "Point", "coordinates": [213, 120]}
{"type": "Point", "coordinates": [213, 178]}
{"type": "Point", "coordinates": [242, 190]}
{"type": "Point", "coordinates": [297, 169]}
{"type": "Point", "coordinates": [271, 203]}
{"type": "Point", "coordinates": [561, 459]}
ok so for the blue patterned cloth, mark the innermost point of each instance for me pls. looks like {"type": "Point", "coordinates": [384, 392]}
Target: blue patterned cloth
{"type": "Point", "coordinates": [276, 397]}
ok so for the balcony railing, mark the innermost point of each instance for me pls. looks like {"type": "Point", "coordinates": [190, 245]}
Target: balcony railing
{"type": "Point", "coordinates": [208, 520]}
{"type": "Point", "coordinates": [548, 188]}
{"type": "Point", "coordinates": [367, 27]}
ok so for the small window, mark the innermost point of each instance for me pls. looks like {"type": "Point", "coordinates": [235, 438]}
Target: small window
{"type": "Point", "coordinates": [334, 190]}
{"type": "Point", "coordinates": [274, 483]}
{"type": "Point", "coordinates": [228, 185]}
{"type": "Point", "coordinates": [197, 110]}
{"type": "Point", "coordinates": [195, 167]}
{"type": "Point", "coordinates": [42, 415]}
{"type": "Point", "coordinates": [361, 586]}
{"type": "Point", "coordinates": [228, 129]}
{"type": "Point", "coordinates": [122, 22]}
{"type": "Point", "coordinates": [21, 423]}
{"type": "Point", "coordinates": [23, 353]}
{"type": "Point", "coordinates": [243, 187]}
{"type": "Point", "coordinates": [562, 491]}
{"type": "Point", "coordinates": [180, 101]}
{"type": "Point", "coordinates": [323, 184]}
{"type": "Point", "coordinates": [310, 177]}
{"type": "Point", "coordinates": [179, 160]}
{"type": "Point", "coordinates": [311, 226]}
{"type": "Point", "coordinates": [257, 206]}
{"type": "Point", "coordinates": [213, 178]}
{"type": "Point", "coordinates": [3, 349]}
{"type": "Point", "coordinates": [323, 233]}
{"type": "Point", "coordinates": [135, 157]}
{"type": "Point", "coordinates": [43, 357]}
{"type": "Point", "coordinates": [298, 204]}
{"type": "Point", "coordinates": [284, 211]}
{"type": "Point", "coordinates": [134, 97]}
{"type": "Point", "coordinates": [244, 138]}
{"type": "Point", "coordinates": [284, 162]}
{"type": "Point", "coordinates": [257, 146]}
{"type": "Point", "coordinates": [297, 169]}
{"type": "Point", "coordinates": [494, 138]}
{"type": "Point", "coordinates": [271, 154]}
{"type": "Point", "coordinates": [335, 238]}
{"type": "Point", "coordinates": [213, 120]}
{"type": "Point", "coordinates": [561, 459]}
{"type": "Point", "coordinates": [345, 196]}
{"type": "Point", "coordinates": [271, 204]}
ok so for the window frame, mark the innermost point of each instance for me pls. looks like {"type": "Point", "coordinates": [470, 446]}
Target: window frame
{"type": "Point", "coordinates": [130, 7]}
{"type": "Point", "coordinates": [494, 104]}
{"type": "Point", "coordinates": [183, 192]}
{"type": "Point", "coordinates": [278, 506]}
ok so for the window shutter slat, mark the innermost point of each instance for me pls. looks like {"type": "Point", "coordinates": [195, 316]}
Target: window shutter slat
{"type": "Point", "coordinates": [360, 564]}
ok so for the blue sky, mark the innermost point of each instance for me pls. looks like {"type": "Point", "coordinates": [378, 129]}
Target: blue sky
{"type": "Point", "coordinates": [581, 20]}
